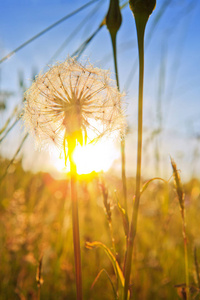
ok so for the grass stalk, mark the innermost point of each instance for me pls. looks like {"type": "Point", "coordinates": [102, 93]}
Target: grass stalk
{"type": "Point", "coordinates": [123, 160]}
{"type": "Point", "coordinates": [186, 258]}
{"type": "Point", "coordinates": [141, 21]}
{"type": "Point", "coordinates": [181, 198]}
{"type": "Point", "coordinates": [107, 208]}
{"type": "Point", "coordinates": [75, 218]}
{"type": "Point", "coordinates": [39, 278]}
{"type": "Point", "coordinates": [197, 268]}
{"type": "Point", "coordinates": [113, 22]}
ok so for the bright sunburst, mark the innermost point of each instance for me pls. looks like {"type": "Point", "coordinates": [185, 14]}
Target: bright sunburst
{"type": "Point", "coordinates": [92, 157]}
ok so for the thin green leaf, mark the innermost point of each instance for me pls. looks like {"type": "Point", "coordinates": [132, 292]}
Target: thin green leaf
{"type": "Point", "coordinates": [146, 184]}
{"type": "Point", "coordinates": [97, 277]}
{"type": "Point", "coordinates": [113, 260]}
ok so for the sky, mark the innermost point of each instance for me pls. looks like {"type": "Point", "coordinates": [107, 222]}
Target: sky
{"type": "Point", "coordinates": [172, 73]}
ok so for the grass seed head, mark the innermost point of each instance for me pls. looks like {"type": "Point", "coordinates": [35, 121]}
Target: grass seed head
{"type": "Point", "coordinates": [72, 100]}
{"type": "Point", "coordinates": [178, 184]}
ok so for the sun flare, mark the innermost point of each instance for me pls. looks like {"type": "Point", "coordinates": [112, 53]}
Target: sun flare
{"type": "Point", "coordinates": [91, 157]}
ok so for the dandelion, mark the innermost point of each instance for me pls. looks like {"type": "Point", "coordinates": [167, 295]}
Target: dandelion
{"type": "Point", "coordinates": [70, 104]}
{"type": "Point", "coordinates": [73, 101]}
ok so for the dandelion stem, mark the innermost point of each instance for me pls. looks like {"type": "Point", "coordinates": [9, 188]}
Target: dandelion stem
{"type": "Point", "coordinates": [123, 171]}
{"type": "Point", "coordinates": [75, 218]}
{"type": "Point", "coordinates": [141, 21]}
{"type": "Point", "coordinates": [113, 22]}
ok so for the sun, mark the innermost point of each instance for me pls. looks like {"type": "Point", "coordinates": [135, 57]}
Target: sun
{"type": "Point", "coordinates": [95, 157]}
{"type": "Point", "coordinates": [91, 157]}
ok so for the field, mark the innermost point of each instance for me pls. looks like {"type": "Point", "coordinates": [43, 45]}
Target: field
{"type": "Point", "coordinates": [121, 221]}
{"type": "Point", "coordinates": [36, 227]}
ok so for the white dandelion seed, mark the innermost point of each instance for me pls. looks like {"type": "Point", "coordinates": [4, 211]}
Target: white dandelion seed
{"type": "Point", "coordinates": [71, 101]}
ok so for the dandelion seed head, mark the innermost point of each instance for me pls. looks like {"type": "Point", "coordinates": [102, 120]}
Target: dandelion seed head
{"type": "Point", "coordinates": [72, 100]}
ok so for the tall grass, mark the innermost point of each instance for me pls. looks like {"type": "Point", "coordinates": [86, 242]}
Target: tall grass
{"type": "Point", "coordinates": [35, 220]}
{"type": "Point", "coordinates": [138, 258]}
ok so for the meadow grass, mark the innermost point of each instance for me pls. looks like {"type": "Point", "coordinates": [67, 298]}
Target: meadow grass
{"type": "Point", "coordinates": [36, 222]}
{"type": "Point", "coordinates": [38, 232]}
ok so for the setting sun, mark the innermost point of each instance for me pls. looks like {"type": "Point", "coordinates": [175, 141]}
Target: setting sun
{"type": "Point", "coordinates": [92, 157]}
{"type": "Point", "coordinates": [95, 157]}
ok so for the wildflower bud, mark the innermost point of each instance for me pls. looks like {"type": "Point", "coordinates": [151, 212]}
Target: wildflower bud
{"type": "Point", "coordinates": [114, 17]}
{"type": "Point", "coordinates": [142, 6]}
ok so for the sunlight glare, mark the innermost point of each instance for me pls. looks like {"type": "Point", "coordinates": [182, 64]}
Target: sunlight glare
{"type": "Point", "coordinates": [92, 157]}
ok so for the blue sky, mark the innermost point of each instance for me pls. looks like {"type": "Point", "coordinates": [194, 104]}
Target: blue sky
{"type": "Point", "coordinates": [172, 73]}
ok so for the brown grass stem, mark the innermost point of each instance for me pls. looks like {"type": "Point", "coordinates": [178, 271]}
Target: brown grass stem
{"type": "Point", "coordinates": [141, 21]}
{"type": "Point", "coordinates": [75, 218]}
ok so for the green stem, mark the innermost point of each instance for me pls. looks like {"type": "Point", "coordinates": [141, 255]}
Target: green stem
{"type": "Point", "coordinates": [123, 171]}
{"type": "Point", "coordinates": [141, 21]}
{"type": "Point", "coordinates": [75, 218]}
{"type": "Point", "coordinates": [113, 39]}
